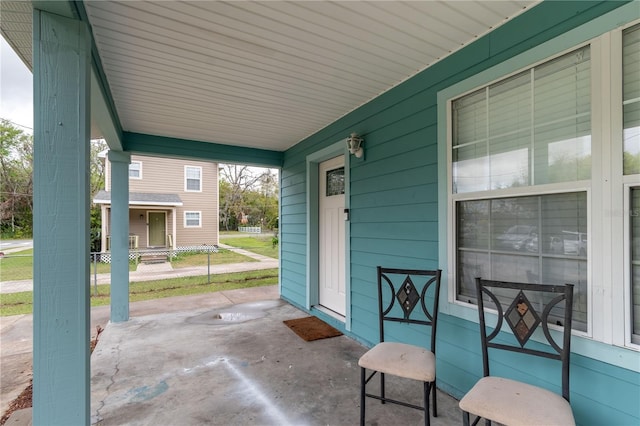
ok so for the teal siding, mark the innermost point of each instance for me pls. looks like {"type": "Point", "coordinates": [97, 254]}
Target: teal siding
{"type": "Point", "coordinates": [394, 213]}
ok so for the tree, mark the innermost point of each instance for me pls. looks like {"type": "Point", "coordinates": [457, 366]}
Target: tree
{"type": "Point", "coordinates": [248, 195]}
{"type": "Point", "coordinates": [16, 181]}
{"type": "Point", "coordinates": [96, 165]}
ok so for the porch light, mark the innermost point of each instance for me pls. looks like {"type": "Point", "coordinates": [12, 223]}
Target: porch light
{"type": "Point", "coordinates": [354, 145]}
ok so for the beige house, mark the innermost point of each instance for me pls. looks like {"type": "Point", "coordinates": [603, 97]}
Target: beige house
{"type": "Point", "coordinates": [173, 203]}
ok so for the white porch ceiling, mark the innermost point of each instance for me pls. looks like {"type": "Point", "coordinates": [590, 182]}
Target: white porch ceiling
{"type": "Point", "coordinates": [263, 74]}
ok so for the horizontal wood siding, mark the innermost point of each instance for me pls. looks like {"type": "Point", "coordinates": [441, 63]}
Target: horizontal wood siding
{"type": "Point", "coordinates": [167, 176]}
{"type": "Point", "coordinates": [394, 210]}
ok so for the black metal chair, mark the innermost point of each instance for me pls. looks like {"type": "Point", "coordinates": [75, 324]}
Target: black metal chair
{"type": "Point", "coordinates": [400, 359]}
{"type": "Point", "coordinates": [508, 401]}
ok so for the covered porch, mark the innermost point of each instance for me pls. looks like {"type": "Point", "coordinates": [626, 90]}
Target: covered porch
{"type": "Point", "coordinates": [152, 220]}
{"type": "Point", "coordinates": [235, 362]}
{"type": "Point", "coordinates": [285, 85]}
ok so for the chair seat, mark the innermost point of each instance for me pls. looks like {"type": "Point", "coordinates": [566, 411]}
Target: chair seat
{"type": "Point", "coordinates": [399, 359]}
{"type": "Point", "coordinates": [515, 403]}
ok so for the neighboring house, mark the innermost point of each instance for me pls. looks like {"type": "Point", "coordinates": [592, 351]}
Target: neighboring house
{"type": "Point", "coordinates": [173, 203]}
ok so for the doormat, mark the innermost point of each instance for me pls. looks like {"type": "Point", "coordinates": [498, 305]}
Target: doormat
{"type": "Point", "coordinates": [312, 328]}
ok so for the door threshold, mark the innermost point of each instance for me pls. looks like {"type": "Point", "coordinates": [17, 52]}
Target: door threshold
{"type": "Point", "coordinates": [329, 312]}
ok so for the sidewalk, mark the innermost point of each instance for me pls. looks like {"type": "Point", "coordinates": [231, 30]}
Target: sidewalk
{"type": "Point", "coordinates": [162, 271]}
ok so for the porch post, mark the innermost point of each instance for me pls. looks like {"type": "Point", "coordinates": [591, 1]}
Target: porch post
{"type": "Point", "coordinates": [173, 229]}
{"type": "Point", "coordinates": [103, 232]}
{"type": "Point", "coordinates": [61, 316]}
{"type": "Point", "coordinates": [119, 235]}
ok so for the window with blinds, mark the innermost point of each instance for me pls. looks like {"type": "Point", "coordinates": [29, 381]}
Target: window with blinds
{"type": "Point", "coordinates": [530, 129]}
{"type": "Point", "coordinates": [135, 170]}
{"type": "Point", "coordinates": [631, 161]}
{"type": "Point", "coordinates": [192, 219]}
{"type": "Point", "coordinates": [635, 264]}
{"type": "Point", "coordinates": [192, 178]}
{"type": "Point", "coordinates": [631, 99]}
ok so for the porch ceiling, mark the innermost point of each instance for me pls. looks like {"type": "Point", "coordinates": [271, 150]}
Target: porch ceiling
{"type": "Point", "coordinates": [262, 74]}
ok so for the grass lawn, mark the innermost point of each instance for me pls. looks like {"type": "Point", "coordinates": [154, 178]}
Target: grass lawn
{"type": "Point", "coordinates": [19, 265]}
{"type": "Point", "coordinates": [259, 244]}
{"type": "Point", "coordinates": [22, 303]}
{"type": "Point", "coordinates": [222, 257]}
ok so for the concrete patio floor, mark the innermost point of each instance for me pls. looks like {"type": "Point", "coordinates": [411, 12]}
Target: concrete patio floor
{"type": "Point", "coordinates": [237, 364]}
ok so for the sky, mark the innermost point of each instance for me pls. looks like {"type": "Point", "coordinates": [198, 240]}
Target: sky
{"type": "Point", "coordinates": [16, 89]}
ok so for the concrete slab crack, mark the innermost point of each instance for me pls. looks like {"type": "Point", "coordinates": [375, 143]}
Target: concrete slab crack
{"type": "Point", "coordinates": [97, 418]}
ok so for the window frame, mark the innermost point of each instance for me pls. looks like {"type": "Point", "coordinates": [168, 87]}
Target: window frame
{"type": "Point", "coordinates": [139, 163]}
{"type": "Point", "coordinates": [626, 183]}
{"type": "Point", "coordinates": [629, 336]}
{"type": "Point", "coordinates": [186, 179]}
{"type": "Point", "coordinates": [518, 191]}
{"type": "Point", "coordinates": [187, 212]}
{"type": "Point", "coordinates": [607, 338]}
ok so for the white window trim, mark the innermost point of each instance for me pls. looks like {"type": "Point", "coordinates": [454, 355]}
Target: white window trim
{"type": "Point", "coordinates": [199, 225]}
{"type": "Point", "coordinates": [603, 342]}
{"type": "Point", "coordinates": [628, 311]}
{"type": "Point", "coordinates": [185, 178]}
{"type": "Point", "coordinates": [531, 190]}
{"type": "Point", "coordinates": [140, 169]}
{"type": "Point", "coordinates": [623, 273]}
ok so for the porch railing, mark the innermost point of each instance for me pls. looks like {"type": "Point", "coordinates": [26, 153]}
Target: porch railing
{"type": "Point", "coordinates": [133, 242]}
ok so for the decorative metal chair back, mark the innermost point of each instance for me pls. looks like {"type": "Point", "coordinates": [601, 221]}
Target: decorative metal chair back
{"type": "Point", "coordinates": [522, 319]}
{"type": "Point", "coordinates": [412, 297]}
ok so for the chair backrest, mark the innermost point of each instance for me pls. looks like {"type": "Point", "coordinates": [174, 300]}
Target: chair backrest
{"type": "Point", "coordinates": [518, 314]}
{"type": "Point", "coordinates": [410, 288]}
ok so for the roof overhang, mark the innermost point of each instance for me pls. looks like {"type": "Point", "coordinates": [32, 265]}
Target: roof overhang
{"type": "Point", "coordinates": [255, 75]}
{"type": "Point", "coordinates": [142, 199]}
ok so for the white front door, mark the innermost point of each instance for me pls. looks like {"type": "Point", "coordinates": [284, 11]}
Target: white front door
{"type": "Point", "coordinates": [331, 235]}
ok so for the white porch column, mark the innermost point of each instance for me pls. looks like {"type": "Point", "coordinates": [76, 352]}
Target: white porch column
{"type": "Point", "coordinates": [61, 78]}
{"type": "Point", "coordinates": [103, 232]}
{"type": "Point", "coordinates": [173, 231]}
{"type": "Point", "coordinates": [119, 235]}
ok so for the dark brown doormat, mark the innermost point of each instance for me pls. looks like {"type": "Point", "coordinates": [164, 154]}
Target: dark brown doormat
{"type": "Point", "coordinates": [312, 328]}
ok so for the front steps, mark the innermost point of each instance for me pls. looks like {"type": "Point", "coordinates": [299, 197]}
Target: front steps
{"type": "Point", "coordinates": [152, 258]}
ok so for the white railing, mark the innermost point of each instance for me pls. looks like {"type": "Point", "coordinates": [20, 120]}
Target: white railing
{"type": "Point", "coordinates": [105, 257]}
{"type": "Point", "coordinates": [250, 229]}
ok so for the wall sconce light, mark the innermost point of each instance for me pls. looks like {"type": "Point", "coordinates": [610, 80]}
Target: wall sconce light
{"type": "Point", "coordinates": [141, 217]}
{"type": "Point", "coordinates": [354, 145]}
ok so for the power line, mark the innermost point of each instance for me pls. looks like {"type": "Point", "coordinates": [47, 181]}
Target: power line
{"type": "Point", "coordinates": [17, 124]}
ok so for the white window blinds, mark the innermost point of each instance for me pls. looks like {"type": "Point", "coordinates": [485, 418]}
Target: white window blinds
{"type": "Point", "coordinates": [532, 128]}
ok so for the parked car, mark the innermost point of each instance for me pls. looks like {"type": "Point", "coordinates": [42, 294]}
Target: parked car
{"type": "Point", "coordinates": [575, 243]}
{"type": "Point", "coordinates": [554, 246]}
{"type": "Point", "coordinates": [517, 237]}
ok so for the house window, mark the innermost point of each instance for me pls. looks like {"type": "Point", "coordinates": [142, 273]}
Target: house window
{"type": "Point", "coordinates": [530, 129]}
{"type": "Point", "coordinates": [539, 238]}
{"type": "Point", "coordinates": [514, 146]}
{"type": "Point", "coordinates": [635, 263]}
{"type": "Point", "coordinates": [135, 170]}
{"type": "Point", "coordinates": [631, 163]}
{"type": "Point", "coordinates": [192, 220]}
{"type": "Point", "coordinates": [193, 178]}
{"type": "Point", "coordinates": [335, 182]}
{"type": "Point", "coordinates": [631, 99]}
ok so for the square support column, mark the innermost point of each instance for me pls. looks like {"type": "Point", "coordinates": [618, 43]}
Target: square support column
{"type": "Point", "coordinates": [119, 235]}
{"type": "Point", "coordinates": [61, 315]}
